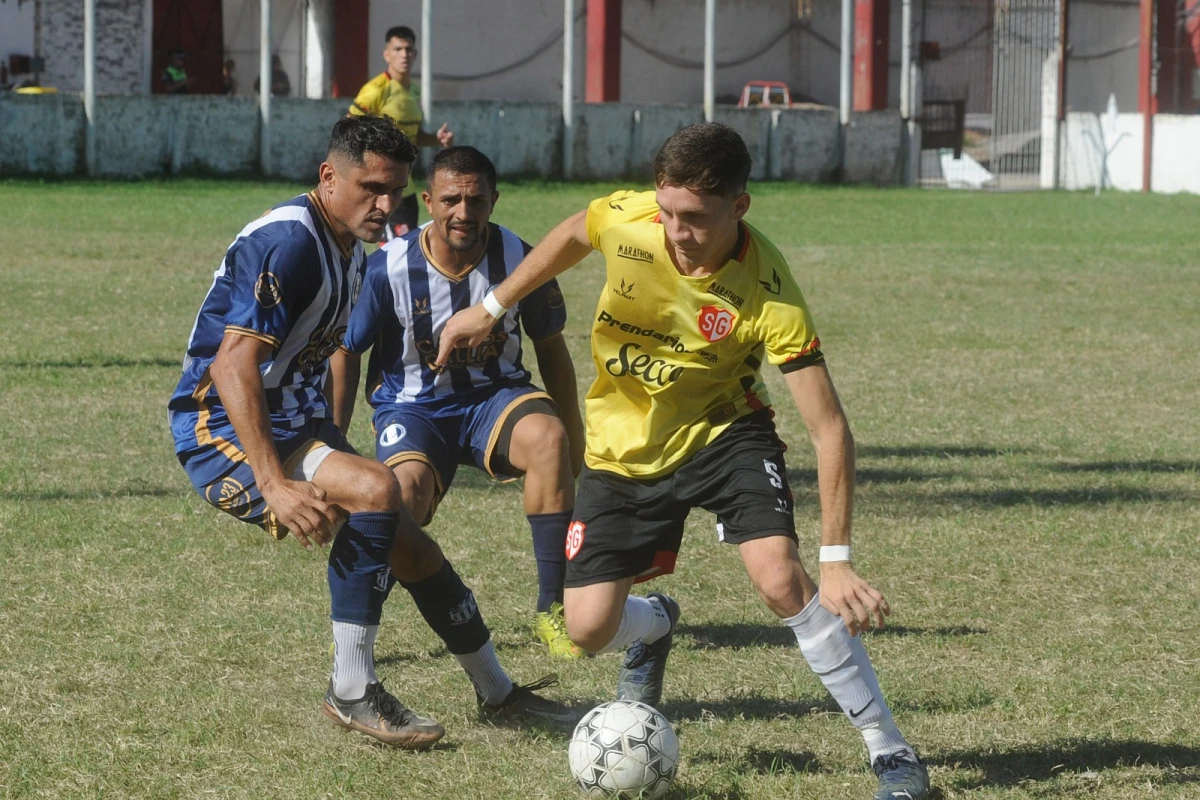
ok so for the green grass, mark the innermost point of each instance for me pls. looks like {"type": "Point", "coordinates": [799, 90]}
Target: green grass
{"type": "Point", "coordinates": [1022, 375]}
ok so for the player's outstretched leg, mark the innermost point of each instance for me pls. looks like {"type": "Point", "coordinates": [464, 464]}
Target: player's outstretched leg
{"type": "Point", "coordinates": [539, 448]}
{"type": "Point", "coordinates": [839, 660]}
{"type": "Point", "coordinates": [604, 618]}
{"type": "Point", "coordinates": [449, 608]}
{"type": "Point", "coordinates": [358, 585]}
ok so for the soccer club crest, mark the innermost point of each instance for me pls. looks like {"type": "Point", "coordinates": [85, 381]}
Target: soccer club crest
{"type": "Point", "coordinates": [715, 323]}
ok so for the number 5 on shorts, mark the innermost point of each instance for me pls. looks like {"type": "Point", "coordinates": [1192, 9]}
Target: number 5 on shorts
{"type": "Point", "coordinates": [773, 472]}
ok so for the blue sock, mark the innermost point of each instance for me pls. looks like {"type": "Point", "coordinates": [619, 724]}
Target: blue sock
{"type": "Point", "coordinates": [549, 548]}
{"type": "Point", "coordinates": [449, 608]}
{"type": "Point", "coordinates": [359, 578]}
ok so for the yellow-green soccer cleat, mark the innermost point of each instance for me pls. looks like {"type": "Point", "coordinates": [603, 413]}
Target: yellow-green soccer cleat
{"type": "Point", "coordinates": [551, 630]}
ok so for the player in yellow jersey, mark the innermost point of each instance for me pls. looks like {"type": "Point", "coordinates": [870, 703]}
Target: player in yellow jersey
{"type": "Point", "coordinates": [392, 94]}
{"type": "Point", "coordinates": [695, 301]}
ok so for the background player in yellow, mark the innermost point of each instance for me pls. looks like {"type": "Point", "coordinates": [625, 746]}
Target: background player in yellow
{"type": "Point", "coordinates": [679, 418]}
{"type": "Point", "coordinates": [392, 94]}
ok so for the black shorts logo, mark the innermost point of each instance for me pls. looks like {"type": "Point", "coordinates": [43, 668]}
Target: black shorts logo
{"type": "Point", "coordinates": [574, 539]}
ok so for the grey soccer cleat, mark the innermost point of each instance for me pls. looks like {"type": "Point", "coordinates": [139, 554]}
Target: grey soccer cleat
{"type": "Point", "coordinates": [641, 676]}
{"type": "Point", "coordinates": [524, 704]}
{"type": "Point", "coordinates": [380, 715]}
{"type": "Point", "coordinates": [902, 776]}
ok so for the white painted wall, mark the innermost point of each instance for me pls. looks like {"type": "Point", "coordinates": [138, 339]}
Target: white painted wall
{"type": "Point", "coordinates": [1176, 157]}
{"type": "Point", "coordinates": [16, 30]}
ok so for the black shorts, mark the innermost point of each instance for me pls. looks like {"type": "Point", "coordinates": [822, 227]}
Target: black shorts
{"type": "Point", "coordinates": [403, 218]}
{"type": "Point", "coordinates": [626, 527]}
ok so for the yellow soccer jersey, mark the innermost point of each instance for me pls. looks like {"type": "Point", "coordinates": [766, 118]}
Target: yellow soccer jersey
{"type": "Point", "coordinates": [382, 96]}
{"type": "Point", "coordinates": [678, 358]}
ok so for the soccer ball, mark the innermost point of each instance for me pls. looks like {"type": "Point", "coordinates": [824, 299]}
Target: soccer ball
{"type": "Point", "coordinates": [624, 749]}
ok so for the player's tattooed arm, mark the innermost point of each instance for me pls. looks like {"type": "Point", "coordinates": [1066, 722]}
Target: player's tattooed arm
{"type": "Point", "coordinates": [843, 592]}
{"type": "Point", "coordinates": [558, 373]}
{"type": "Point", "coordinates": [299, 505]}
{"type": "Point", "coordinates": [563, 248]}
{"type": "Point", "coordinates": [342, 387]}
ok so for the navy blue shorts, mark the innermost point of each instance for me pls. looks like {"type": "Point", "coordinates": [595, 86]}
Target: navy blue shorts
{"type": "Point", "coordinates": [221, 474]}
{"type": "Point", "coordinates": [457, 431]}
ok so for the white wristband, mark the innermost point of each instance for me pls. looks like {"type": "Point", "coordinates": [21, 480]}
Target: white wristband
{"type": "Point", "coordinates": [835, 552]}
{"type": "Point", "coordinates": [493, 305]}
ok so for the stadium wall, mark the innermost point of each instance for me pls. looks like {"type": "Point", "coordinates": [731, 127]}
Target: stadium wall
{"type": "Point", "coordinates": [1176, 164]}
{"type": "Point", "coordinates": [139, 135]}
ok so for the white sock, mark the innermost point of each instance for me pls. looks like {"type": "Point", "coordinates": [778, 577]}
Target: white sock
{"type": "Point", "coordinates": [483, 668]}
{"type": "Point", "coordinates": [353, 659]}
{"type": "Point", "coordinates": [842, 664]}
{"type": "Point", "coordinates": [642, 618]}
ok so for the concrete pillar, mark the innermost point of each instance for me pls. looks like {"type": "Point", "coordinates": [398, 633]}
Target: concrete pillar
{"type": "Point", "coordinates": [871, 20]}
{"type": "Point", "coordinates": [603, 83]}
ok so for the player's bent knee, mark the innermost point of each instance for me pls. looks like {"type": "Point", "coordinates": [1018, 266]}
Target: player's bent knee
{"type": "Point", "coordinates": [416, 488]}
{"type": "Point", "coordinates": [378, 489]}
{"type": "Point", "coordinates": [590, 630]}
{"type": "Point", "coordinates": [541, 441]}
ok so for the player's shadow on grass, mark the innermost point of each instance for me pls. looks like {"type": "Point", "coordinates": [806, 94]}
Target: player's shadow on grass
{"type": "Point", "coordinates": [937, 451]}
{"type": "Point", "coordinates": [806, 476]}
{"type": "Point", "coordinates": [1048, 498]}
{"type": "Point", "coordinates": [745, 635]}
{"type": "Point", "coordinates": [745, 706]}
{"type": "Point", "coordinates": [1130, 466]}
{"type": "Point", "coordinates": [93, 362]}
{"type": "Point", "coordinates": [758, 761]}
{"type": "Point", "coordinates": [1082, 758]}
{"type": "Point", "coordinates": [50, 495]}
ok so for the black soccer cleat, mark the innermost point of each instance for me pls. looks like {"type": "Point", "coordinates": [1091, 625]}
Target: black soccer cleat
{"type": "Point", "coordinates": [523, 704]}
{"type": "Point", "coordinates": [641, 677]}
{"type": "Point", "coordinates": [380, 715]}
{"type": "Point", "coordinates": [902, 776]}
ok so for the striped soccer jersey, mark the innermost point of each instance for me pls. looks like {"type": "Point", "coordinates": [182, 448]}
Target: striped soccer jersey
{"type": "Point", "coordinates": [408, 298]}
{"type": "Point", "coordinates": [287, 281]}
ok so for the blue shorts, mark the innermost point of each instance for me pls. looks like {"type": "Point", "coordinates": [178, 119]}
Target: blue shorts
{"type": "Point", "coordinates": [457, 431]}
{"type": "Point", "coordinates": [221, 474]}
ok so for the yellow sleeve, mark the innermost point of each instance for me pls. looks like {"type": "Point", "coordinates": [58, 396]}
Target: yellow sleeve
{"type": "Point", "coordinates": [619, 207]}
{"type": "Point", "coordinates": [785, 323]}
{"type": "Point", "coordinates": [368, 99]}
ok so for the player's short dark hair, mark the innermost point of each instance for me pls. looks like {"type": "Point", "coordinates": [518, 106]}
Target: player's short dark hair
{"type": "Point", "coordinates": [706, 157]}
{"type": "Point", "coordinates": [400, 32]}
{"type": "Point", "coordinates": [462, 160]}
{"type": "Point", "coordinates": [354, 137]}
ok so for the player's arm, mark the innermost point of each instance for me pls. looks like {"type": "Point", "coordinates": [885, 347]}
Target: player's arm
{"type": "Point", "coordinates": [444, 137]}
{"type": "Point", "coordinates": [563, 248]}
{"type": "Point", "coordinates": [299, 505]}
{"type": "Point", "coordinates": [344, 371]}
{"type": "Point", "coordinates": [843, 592]}
{"type": "Point", "coordinates": [558, 373]}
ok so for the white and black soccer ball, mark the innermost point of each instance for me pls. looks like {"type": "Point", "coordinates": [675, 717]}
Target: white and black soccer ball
{"type": "Point", "coordinates": [624, 749]}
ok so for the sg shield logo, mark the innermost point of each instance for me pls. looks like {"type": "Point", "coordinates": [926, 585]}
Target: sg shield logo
{"type": "Point", "coordinates": [715, 323]}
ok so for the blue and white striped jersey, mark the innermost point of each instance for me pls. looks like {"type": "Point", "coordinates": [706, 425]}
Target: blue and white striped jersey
{"type": "Point", "coordinates": [287, 281]}
{"type": "Point", "coordinates": [407, 300]}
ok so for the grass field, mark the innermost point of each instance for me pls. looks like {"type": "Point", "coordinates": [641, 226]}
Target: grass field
{"type": "Point", "coordinates": [1023, 379]}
